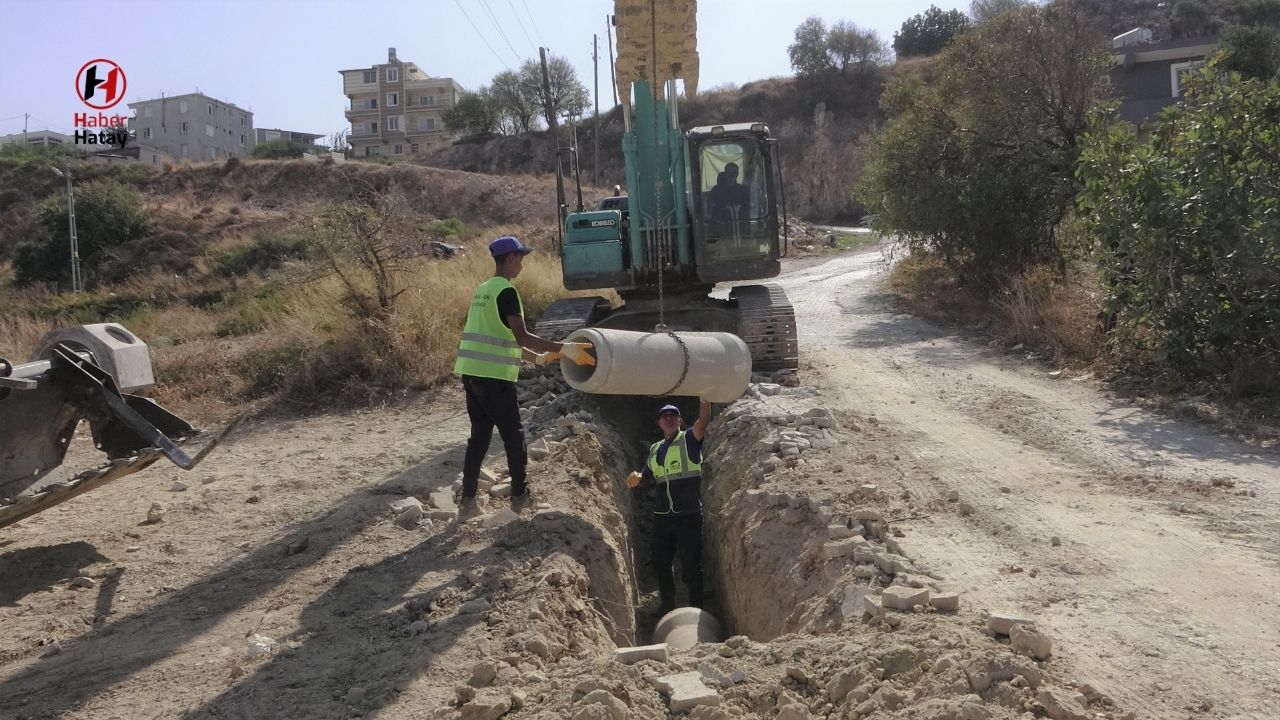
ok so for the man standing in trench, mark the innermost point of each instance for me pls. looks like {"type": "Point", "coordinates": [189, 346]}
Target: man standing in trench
{"type": "Point", "coordinates": [493, 343]}
{"type": "Point", "coordinates": [675, 469]}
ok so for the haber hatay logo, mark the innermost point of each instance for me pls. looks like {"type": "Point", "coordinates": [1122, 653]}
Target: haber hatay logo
{"type": "Point", "coordinates": [100, 84]}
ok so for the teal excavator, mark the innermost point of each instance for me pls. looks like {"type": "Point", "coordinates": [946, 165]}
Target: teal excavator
{"type": "Point", "coordinates": [702, 208]}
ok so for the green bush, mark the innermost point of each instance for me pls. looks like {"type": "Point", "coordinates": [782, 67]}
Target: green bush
{"type": "Point", "coordinates": [266, 252]}
{"type": "Point", "coordinates": [277, 150]}
{"type": "Point", "coordinates": [109, 216]}
{"type": "Point", "coordinates": [252, 315]}
{"type": "Point", "coordinates": [1188, 226]}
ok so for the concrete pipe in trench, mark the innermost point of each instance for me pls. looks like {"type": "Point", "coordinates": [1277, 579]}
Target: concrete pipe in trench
{"type": "Point", "coordinates": [640, 363]}
{"type": "Point", "coordinates": [685, 627]}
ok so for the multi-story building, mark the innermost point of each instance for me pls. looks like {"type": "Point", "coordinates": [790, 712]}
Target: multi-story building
{"type": "Point", "coordinates": [302, 140]}
{"type": "Point", "coordinates": [396, 109]}
{"type": "Point", "coordinates": [39, 138]}
{"type": "Point", "coordinates": [1149, 76]}
{"type": "Point", "coordinates": [193, 126]}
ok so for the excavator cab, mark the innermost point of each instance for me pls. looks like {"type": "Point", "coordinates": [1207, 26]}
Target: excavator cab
{"type": "Point", "coordinates": [733, 182]}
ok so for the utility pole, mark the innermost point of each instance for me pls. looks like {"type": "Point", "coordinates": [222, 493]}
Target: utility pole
{"type": "Point", "coordinates": [613, 76]}
{"type": "Point", "coordinates": [77, 284]}
{"type": "Point", "coordinates": [595, 135]}
{"type": "Point", "coordinates": [25, 118]}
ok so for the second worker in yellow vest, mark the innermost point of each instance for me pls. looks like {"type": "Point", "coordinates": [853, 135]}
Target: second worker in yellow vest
{"type": "Point", "coordinates": [493, 343]}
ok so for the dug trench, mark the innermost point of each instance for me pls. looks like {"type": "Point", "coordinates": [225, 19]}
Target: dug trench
{"type": "Point", "coordinates": [319, 572]}
{"type": "Point", "coordinates": [808, 564]}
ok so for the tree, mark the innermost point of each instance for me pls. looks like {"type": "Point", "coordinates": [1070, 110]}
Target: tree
{"type": "Point", "coordinates": [338, 142]}
{"type": "Point", "coordinates": [474, 113]}
{"type": "Point", "coordinates": [1254, 52]}
{"type": "Point", "coordinates": [515, 99]}
{"type": "Point", "coordinates": [984, 10]}
{"type": "Point", "coordinates": [109, 217]}
{"type": "Point", "coordinates": [1192, 18]}
{"type": "Point", "coordinates": [842, 50]}
{"type": "Point", "coordinates": [928, 32]}
{"type": "Point", "coordinates": [977, 161]}
{"type": "Point", "coordinates": [568, 94]}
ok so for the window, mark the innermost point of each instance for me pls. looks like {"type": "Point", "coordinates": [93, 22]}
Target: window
{"type": "Point", "coordinates": [397, 149]}
{"type": "Point", "coordinates": [426, 123]}
{"type": "Point", "coordinates": [371, 76]}
{"type": "Point", "coordinates": [182, 151]}
{"type": "Point", "coordinates": [146, 133]}
{"type": "Point", "coordinates": [147, 112]}
{"type": "Point", "coordinates": [393, 123]}
{"type": "Point", "coordinates": [393, 74]}
{"type": "Point", "coordinates": [373, 128]}
{"type": "Point", "coordinates": [182, 127]}
{"type": "Point", "coordinates": [393, 99]}
{"type": "Point", "coordinates": [414, 148]}
{"type": "Point", "coordinates": [427, 100]}
{"type": "Point", "coordinates": [1178, 73]}
{"type": "Point", "coordinates": [241, 141]}
{"type": "Point", "coordinates": [155, 159]}
{"type": "Point", "coordinates": [182, 107]}
{"type": "Point", "coordinates": [372, 151]}
{"type": "Point", "coordinates": [242, 121]}
{"type": "Point", "coordinates": [209, 107]}
{"type": "Point", "coordinates": [208, 130]}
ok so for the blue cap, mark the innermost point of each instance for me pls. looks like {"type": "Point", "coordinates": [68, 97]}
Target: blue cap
{"type": "Point", "coordinates": [667, 409]}
{"type": "Point", "coordinates": [508, 244]}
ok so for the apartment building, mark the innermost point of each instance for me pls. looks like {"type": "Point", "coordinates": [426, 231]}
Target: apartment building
{"type": "Point", "coordinates": [303, 140]}
{"type": "Point", "coordinates": [39, 138]}
{"type": "Point", "coordinates": [395, 109]}
{"type": "Point", "coordinates": [193, 126]}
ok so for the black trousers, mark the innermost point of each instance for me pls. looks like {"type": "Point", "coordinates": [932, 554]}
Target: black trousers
{"type": "Point", "coordinates": [492, 403]}
{"type": "Point", "coordinates": [683, 534]}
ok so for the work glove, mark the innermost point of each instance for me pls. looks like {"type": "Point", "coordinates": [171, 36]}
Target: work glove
{"type": "Point", "coordinates": [633, 480]}
{"type": "Point", "coordinates": [577, 353]}
{"type": "Point", "coordinates": [546, 358]}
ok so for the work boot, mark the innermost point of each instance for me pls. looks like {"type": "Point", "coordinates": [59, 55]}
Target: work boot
{"type": "Point", "coordinates": [520, 502]}
{"type": "Point", "coordinates": [468, 509]}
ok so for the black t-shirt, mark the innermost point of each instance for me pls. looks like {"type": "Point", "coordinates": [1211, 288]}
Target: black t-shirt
{"type": "Point", "coordinates": [508, 305]}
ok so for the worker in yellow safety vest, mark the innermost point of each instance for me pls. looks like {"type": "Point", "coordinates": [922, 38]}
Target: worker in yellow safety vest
{"type": "Point", "coordinates": [493, 343]}
{"type": "Point", "coordinates": [675, 469]}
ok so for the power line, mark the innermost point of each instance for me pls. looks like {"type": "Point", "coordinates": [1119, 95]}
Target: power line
{"type": "Point", "coordinates": [482, 37]}
{"type": "Point", "coordinates": [516, 15]}
{"type": "Point", "coordinates": [536, 31]}
{"type": "Point", "coordinates": [494, 19]}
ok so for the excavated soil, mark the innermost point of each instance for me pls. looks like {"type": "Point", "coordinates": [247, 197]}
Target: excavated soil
{"type": "Point", "coordinates": [312, 568]}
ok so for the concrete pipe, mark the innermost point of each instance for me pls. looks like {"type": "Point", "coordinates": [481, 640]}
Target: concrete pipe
{"type": "Point", "coordinates": [640, 363]}
{"type": "Point", "coordinates": [685, 627]}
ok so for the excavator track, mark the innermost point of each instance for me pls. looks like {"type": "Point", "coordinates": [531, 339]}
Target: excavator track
{"type": "Point", "coordinates": [14, 509]}
{"type": "Point", "coordinates": [564, 316]}
{"type": "Point", "coordinates": [767, 323]}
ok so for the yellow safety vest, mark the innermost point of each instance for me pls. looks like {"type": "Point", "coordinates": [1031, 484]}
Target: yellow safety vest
{"type": "Point", "coordinates": [488, 348]}
{"type": "Point", "coordinates": [675, 466]}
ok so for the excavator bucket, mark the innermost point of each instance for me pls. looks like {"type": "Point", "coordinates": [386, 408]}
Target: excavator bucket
{"type": "Point", "coordinates": [669, 27]}
{"type": "Point", "coordinates": [81, 373]}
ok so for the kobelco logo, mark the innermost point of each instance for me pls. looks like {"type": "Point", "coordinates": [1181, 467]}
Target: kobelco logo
{"type": "Point", "coordinates": [100, 84]}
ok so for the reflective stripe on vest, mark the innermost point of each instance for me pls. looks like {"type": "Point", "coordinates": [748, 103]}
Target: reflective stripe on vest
{"type": "Point", "coordinates": [488, 347]}
{"type": "Point", "coordinates": [677, 465]}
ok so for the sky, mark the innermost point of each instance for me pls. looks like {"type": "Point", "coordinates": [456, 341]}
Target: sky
{"type": "Point", "coordinates": [280, 58]}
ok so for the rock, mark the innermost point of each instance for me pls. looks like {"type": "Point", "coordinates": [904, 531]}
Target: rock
{"type": "Point", "coordinates": [767, 389]}
{"type": "Point", "coordinates": [1055, 541]}
{"type": "Point", "coordinates": [1059, 706]}
{"type": "Point", "coordinates": [498, 519]}
{"type": "Point", "coordinates": [714, 676]}
{"type": "Point", "coordinates": [539, 646]}
{"type": "Point", "coordinates": [437, 514]}
{"type": "Point", "coordinates": [902, 597]}
{"type": "Point", "coordinates": [501, 490]}
{"type": "Point", "coordinates": [1028, 641]}
{"type": "Point", "coordinates": [739, 676]}
{"type": "Point", "coordinates": [408, 518]}
{"type": "Point", "coordinates": [842, 548]}
{"type": "Point", "coordinates": [405, 503]}
{"type": "Point", "coordinates": [355, 695]}
{"type": "Point", "coordinates": [798, 674]}
{"type": "Point", "coordinates": [483, 674]}
{"type": "Point", "coordinates": [418, 627]}
{"type": "Point", "coordinates": [953, 496]}
{"type": "Point", "coordinates": [793, 711]}
{"type": "Point", "coordinates": [207, 479]}
{"type": "Point", "coordinates": [838, 531]}
{"type": "Point", "coordinates": [614, 708]}
{"type": "Point", "coordinates": [259, 646]}
{"type": "Point", "coordinates": [629, 655]}
{"type": "Point", "coordinates": [685, 691]}
{"type": "Point", "coordinates": [872, 606]}
{"type": "Point", "coordinates": [155, 513]}
{"type": "Point", "coordinates": [443, 500]}
{"type": "Point", "coordinates": [83, 582]}
{"type": "Point", "coordinates": [843, 683]}
{"type": "Point", "coordinates": [472, 607]}
{"type": "Point", "coordinates": [966, 509]}
{"type": "Point", "coordinates": [541, 448]}
{"type": "Point", "coordinates": [1002, 623]}
{"type": "Point", "coordinates": [487, 705]}
{"type": "Point", "coordinates": [867, 514]}
{"type": "Point", "coordinates": [487, 476]}
{"type": "Point", "coordinates": [178, 486]}
{"type": "Point", "coordinates": [947, 601]}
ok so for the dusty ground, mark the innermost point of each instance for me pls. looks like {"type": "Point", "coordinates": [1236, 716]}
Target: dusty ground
{"type": "Point", "coordinates": [1161, 593]}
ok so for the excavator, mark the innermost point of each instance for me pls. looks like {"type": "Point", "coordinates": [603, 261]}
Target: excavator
{"type": "Point", "coordinates": [89, 372]}
{"type": "Point", "coordinates": [702, 208]}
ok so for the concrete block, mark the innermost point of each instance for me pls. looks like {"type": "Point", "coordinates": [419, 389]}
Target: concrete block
{"type": "Point", "coordinates": [501, 490]}
{"type": "Point", "coordinates": [867, 514]}
{"type": "Point", "coordinates": [872, 605]}
{"type": "Point", "coordinates": [1026, 640]}
{"type": "Point", "coordinates": [892, 564]}
{"type": "Point", "coordinates": [629, 655]}
{"type": "Point", "coordinates": [686, 691]}
{"type": "Point", "coordinates": [1002, 623]}
{"type": "Point", "coordinates": [839, 531]}
{"type": "Point", "coordinates": [948, 601]}
{"type": "Point", "coordinates": [405, 503]}
{"type": "Point", "coordinates": [1059, 706]}
{"type": "Point", "coordinates": [443, 500]}
{"type": "Point", "coordinates": [840, 548]}
{"type": "Point", "coordinates": [901, 597]}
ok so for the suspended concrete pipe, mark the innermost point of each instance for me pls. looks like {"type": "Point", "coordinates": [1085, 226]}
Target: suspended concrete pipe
{"type": "Point", "coordinates": [685, 627]}
{"type": "Point", "coordinates": [712, 365]}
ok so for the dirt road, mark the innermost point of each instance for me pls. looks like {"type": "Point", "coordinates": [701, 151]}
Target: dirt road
{"type": "Point", "coordinates": [1163, 585]}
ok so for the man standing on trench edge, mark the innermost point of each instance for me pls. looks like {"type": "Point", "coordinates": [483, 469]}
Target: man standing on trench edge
{"type": "Point", "coordinates": [675, 469]}
{"type": "Point", "coordinates": [493, 343]}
